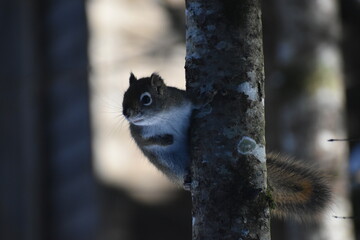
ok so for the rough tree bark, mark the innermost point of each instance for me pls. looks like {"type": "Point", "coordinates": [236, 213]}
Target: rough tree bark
{"type": "Point", "coordinates": [224, 71]}
{"type": "Point", "coordinates": [306, 102]}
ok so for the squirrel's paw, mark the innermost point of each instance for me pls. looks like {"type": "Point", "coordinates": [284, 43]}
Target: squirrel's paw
{"type": "Point", "coordinates": [187, 183]}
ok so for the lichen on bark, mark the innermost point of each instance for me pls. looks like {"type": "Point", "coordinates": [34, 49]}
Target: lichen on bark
{"type": "Point", "coordinates": [224, 71]}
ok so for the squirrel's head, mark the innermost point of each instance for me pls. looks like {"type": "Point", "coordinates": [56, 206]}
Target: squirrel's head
{"type": "Point", "coordinates": [144, 99]}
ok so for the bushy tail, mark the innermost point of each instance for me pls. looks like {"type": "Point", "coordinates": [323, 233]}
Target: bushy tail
{"type": "Point", "coordinates": [298, 191]}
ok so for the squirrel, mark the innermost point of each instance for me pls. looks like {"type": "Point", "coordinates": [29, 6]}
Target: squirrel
{"type": "Point", "coordinates": [159, 118]}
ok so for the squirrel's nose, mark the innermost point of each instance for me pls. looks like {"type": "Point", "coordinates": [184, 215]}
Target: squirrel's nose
{"type": "Point", "coordinates": [127, 112]}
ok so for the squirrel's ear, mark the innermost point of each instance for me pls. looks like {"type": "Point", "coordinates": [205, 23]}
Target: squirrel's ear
{"type": "Point", "coordinates": [157, 83]}
{"type": "Point", "coordinates": [132, 78]}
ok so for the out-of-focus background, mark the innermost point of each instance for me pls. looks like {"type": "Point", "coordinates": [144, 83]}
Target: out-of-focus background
{"type": "Point", "coordinates": [68, 169]}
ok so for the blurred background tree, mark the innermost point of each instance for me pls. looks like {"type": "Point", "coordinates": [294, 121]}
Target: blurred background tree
{"type": "Point", "coordinates": [47, 187]}
{"type": "Point", "coordinates": [306, 101]}
{"type": "Point", "coordinates": [350, 16]}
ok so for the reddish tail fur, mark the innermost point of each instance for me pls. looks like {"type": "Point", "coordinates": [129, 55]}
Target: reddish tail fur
{"type": "Point", "coordinates": [298, 191]}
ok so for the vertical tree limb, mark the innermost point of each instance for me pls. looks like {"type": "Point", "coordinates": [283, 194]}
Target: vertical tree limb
{"type": "Point", "coordinates": [224, 70]}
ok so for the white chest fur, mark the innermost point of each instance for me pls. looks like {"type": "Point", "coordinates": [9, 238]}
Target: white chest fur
{"type": "Point", "coordinates": [174, 122]}
{"type": "Point", "coordinates": [173, 159]}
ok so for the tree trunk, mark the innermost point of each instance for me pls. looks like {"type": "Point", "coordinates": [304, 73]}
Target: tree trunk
{"type": "Point", "coordinates": [306, 102]}
{"type": "Point", "coordinates": [224, 70]}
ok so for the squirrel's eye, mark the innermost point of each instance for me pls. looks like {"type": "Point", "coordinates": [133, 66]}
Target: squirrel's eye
{"type": "Point", "coordinates": [146, 99]}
